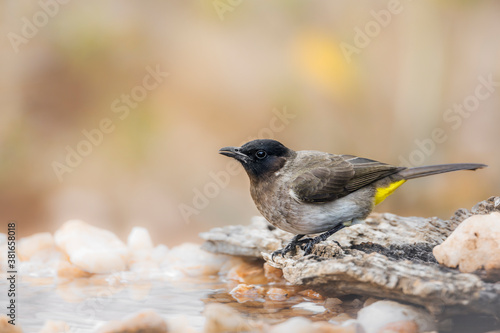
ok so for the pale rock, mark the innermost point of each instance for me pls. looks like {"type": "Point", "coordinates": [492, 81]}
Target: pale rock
{"type": "Point", "coordinates": [92, 249]}
{"type": "Point", "coordinates": [139, 239]}
{"type": "Point", "coordinates": [52, 326]}
{"type": "Point", "coordinates": [34, 244]}
{"type": "Point", "coordinates": [221, 318]}
{"type": "Point", "coordinates": [334, 305]}
{"type": "Point", "coordinates": [384, 315]}
{"type": "Point", "coordinates": [180, 324]}
{"type": "Point", "coordinates": [189, 260]}
{"type": "Point", "coordinates": [474, 244]}
{"type": "Point", "coordinates": [143, 321]}
{"type": "Point", "coordinates": [245, 292]}
{"type": "Point", "coordinates": [5, 327]}
{"type": "Point", "coordinates": [293, 325]}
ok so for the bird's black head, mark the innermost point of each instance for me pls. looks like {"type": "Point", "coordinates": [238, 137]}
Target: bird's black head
{"type": "Point", "coordinates": [260, 158]}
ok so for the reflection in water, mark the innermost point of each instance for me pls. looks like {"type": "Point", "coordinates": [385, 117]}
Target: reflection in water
{"type": "Point", "coordinates": [84, 305]}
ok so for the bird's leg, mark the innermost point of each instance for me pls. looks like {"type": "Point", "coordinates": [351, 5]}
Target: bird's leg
{"type": "Point", "coordinates": [290, 247]}
{"type": "Point", "coordinates": [308, 243]}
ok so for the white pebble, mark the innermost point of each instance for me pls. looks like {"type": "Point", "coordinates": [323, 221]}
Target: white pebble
{"type": "Point", "coordinates": [92, 249]}
{"type": "Point", "coordinates": [139, 239]}
{"type": "Point", "coordinates": [378, 315]}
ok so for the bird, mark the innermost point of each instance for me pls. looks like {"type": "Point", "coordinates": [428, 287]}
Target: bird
{"type": "Point", "coordinates": [310, 192]}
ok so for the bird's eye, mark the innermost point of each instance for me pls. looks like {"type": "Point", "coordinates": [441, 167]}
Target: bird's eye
{"type": "Point", "coordinates": [260, 154]}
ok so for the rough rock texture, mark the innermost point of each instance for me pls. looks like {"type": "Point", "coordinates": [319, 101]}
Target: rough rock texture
{"type": "Point", "coordinates": [387, 257]}
{"type": "Point", "coordinates": [233, 240]}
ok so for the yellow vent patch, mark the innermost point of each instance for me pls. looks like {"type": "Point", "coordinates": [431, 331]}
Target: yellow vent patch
{"type": "Point", "coordinates": [384, 192]}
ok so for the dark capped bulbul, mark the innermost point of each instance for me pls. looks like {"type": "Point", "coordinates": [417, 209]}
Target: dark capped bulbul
{"type": "Point", "coordinates": [311, 192]}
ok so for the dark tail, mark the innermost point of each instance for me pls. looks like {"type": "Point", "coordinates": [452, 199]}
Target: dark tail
{"type": "Point", "coordinates": [436, 169]}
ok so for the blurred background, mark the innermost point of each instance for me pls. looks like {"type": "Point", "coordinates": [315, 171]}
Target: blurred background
{"type": "Point", "coordinates": [113, 111]}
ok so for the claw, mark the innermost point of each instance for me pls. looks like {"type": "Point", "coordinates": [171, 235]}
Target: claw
{"type": "Point", "coordinates": [289, 248]}
{"type": "Point", "coordinates": [308, 244]}
{"type": "Point", "coordinates": [275, 253]}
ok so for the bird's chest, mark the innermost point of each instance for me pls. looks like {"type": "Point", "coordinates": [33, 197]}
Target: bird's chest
{"type": "Point", "coordinates": [274, 202]}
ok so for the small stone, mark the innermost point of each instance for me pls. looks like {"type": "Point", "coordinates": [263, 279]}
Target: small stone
{"type": "Point", "coordinates": [334, 305]}
{"type": "Point", "coordinates": [356, 303]}
{"type": "Point", "coordinates": [51, 326]}
{"type": "Point", "coordinates": [309, 293]}
{"type": "Point", "coordinates": [244, 292]}
{"type": "Point", "coordinates": [144, 321]}
{"type": "Point", "coordinates": [293, 325]}
{"type": "Point", "coordinates": [333, 301]}
{"type": "Point", "coordinates": [474, 244]}
{"type": "Point", "coordinates": [273, 274]}
{"type": "Point", "coordinates": [34, 244]}
{"type": "Point", "coordinates": [249, 273]}
{"type": "Point", "coordinates": [139, 239]}
{"type": "Point", "coordinates": [221, 318]}
{"type": "Point", "coordinates": [5, 327]}
{"type": "Point", "coordinates": [378, 317]}
{"type": "Point", "coordinates": [92, 249]}
{"type": "Point", "coordinates": [277, 294]}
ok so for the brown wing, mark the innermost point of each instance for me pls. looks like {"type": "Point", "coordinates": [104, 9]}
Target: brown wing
{"type": "Point", "coordinates": [329, 177]}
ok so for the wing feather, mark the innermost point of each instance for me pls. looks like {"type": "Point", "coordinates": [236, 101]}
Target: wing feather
{"type": "Point", "coordinates": [327, 177]}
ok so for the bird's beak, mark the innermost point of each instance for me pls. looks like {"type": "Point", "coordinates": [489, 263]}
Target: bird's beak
{"type": "Point", "coordinates": [233, 152]}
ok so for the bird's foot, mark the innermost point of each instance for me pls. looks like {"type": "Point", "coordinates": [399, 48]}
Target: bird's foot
{"type": "Point", "coordinates": [308, 244]}
{"type": "Point", "coordinates": [289, 248]}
